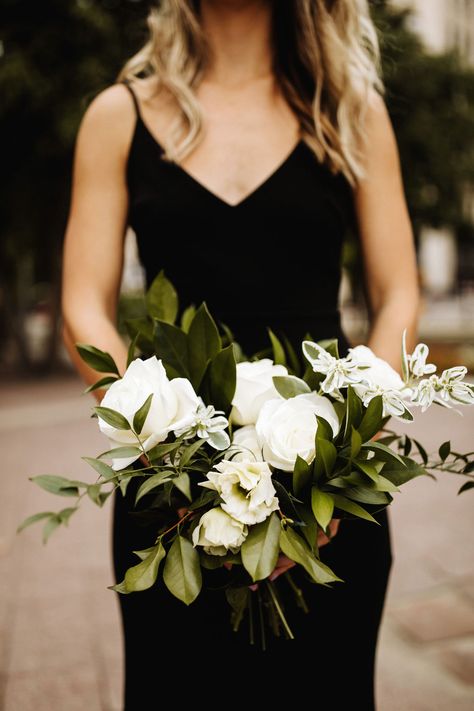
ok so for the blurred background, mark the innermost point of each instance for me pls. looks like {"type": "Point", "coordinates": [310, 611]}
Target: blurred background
{"type": "Point", "coordinates": [60, 637]}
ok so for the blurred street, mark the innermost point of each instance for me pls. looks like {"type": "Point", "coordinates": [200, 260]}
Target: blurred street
{"type": "Point", "coordinates": [60, 636]}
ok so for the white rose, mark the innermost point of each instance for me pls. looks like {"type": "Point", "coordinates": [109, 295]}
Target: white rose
{"type": "Point", "coordinates": [246, 489]}
{"type": "Point", "coordinates": [245, 445]}
{"type": "Point", "coordinates": [380, 372]}
{"type": "Point", "coordinates": [254, 387]}
{"type": "Point", "coordinates": [286, 428]}
{"type": "Point", "coordinates": [173, 405]}
{"type": "Point", "coordinates": [218, 532]}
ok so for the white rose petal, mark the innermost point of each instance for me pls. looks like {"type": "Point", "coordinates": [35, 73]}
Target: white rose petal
{"type": "Point", "coordinates": [245, 445]}
{"type": "Point", "coordinates": [219, 533]}
{"type": "Point", "coordinates": [253, 388]}
{"type": "Point", "coordinates": [173, 405]}
{"type": "Point", "coordinates": [286, 428]}
{"type": "Point", "coordinates": [380, 372]}
{"type": "Point", "coordinates": [246, 489]}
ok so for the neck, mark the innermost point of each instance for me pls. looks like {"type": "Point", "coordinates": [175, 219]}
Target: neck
{"type": "Point", "coordinates": [239, 34]}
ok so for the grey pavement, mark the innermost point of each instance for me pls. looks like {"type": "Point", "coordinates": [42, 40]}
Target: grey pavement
{"type": "Point", "coordinates": [60, 636]}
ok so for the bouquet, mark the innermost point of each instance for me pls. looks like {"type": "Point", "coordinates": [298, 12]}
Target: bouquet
{"type": "Point", "coordinates": [244, 457]}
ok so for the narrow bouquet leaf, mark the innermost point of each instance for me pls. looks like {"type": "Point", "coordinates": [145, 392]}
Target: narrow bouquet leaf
{"type": "Point", "coordinates": [279, 356]}
{"type": "Point", "coordinates": [108, 380]}
{"type": "Point", "coordinates": [298, 550]}
{"type": "Point", "coordinates": [97, 359]}
{"type": "Point", "coordinates": [351, 507]}
{"type": "Point", "coordinates": [182, 571]}
{"type": "Point", "coordinates": [103, 469]}
{"type": "Point", "coordinates": [113, 418]}
{"type": "Point", "coordinates": [162, 299]}
{"type": "Point", "coordinates": [261, 547]}
{"type": "Point", "coordinates": [322, 504]}
{"type": "Point", "coordinates": [58, 484]}
{"type": "Point", "coordinates": [141, 415]}
{"type": "Point", "coordinates": [33, 519]}
{"type": "Point", "coordinates": [289, 385]}
{"type": "Point", "coordinates": [143, 575]}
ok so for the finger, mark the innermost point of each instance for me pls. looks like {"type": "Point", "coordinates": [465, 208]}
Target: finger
{"type": "Point", "coordinates": [281, 569]}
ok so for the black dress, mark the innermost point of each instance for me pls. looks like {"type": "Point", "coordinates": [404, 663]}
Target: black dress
{"type": "Point", "coordinates": [271, 260]}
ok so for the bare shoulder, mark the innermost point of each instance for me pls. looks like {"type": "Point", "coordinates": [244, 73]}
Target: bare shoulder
{"type": "Point", "coordinates": [379, 128]}
{"type": "Point", "coordinates": [379, 149]}
{"type": "Point", "coordinates": [107, 122]}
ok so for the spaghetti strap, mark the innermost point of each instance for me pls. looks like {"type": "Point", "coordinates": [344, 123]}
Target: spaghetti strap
{"type": "Point", "coordinates": [126, 83]}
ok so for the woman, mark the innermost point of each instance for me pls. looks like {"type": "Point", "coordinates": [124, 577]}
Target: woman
{"type": "Point", "coordinates": [240, 143]}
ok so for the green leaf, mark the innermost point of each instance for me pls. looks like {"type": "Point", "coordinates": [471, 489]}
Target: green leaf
{"type": "Point", "coordinates": [466, 486]}
{"type": "Point", "coordinates": [93, 492]}
{"type": "Point", "coordinates": [400, 475]}
{"type": "Point", "coordinates": [366, 495]}
{"type": "Point", "coordinates": [33, 519]}
{"type": "Point", "coordinates": [326, 454]}
{"type": "Point", "coordinates": [324, 430]}
{"type": "Point", "coordinates": [182, 571]}
{"type": "Point", "coordinates": [190, 450]}
{"type": "Point", "coordinates": [289, 385]}
{"type": "Point", "coordinates": [279, 357]}
{"type": "Point", "coordinates": [261, 547]}
{"type": "Point", "coordinates": [444, 450]}
{"type": "Point", "coordinates": [356, 442]}
{"type": "Point", "coordinates": [97, 359]}
{"type": "Point", "coordinates": [153, 482]}
{"type": "Point", "coordinates": [141, 330]}
{"type": "Point", "coordinates": [351, 507]}
{"type": "Point", "coordinates": [113, 418]}
{"type": "Point", "coordinates": [171, 345]}
{"type": "Point", "coordinates": [141, 415]}
{"type": "Point", "coordinates": [382, 451]}
{"type": "Point", "coordinates": [322, 505]}
{"type": "Point", "coordinates": [204, 343]}
{"type": "Point", "coordinates": [56, 484]}
{"type": "Point", "coordinates": [222, 378]}
{"type": "Point", "coordinates": [298, 550]}
{"type": "Point", "coordinates": [65, 514]}
{"type": "Point", "coordinates": [103, 469]}
{"type": "Point", "coordinates": [101, 383]}
{"type": "Point", "coordinates": [118, 453]}
{"type": "Point", "coordinates": [301, 475]}
{"type": "Point", "coordinates": [51, 525]}
{"type": "Point", "coordinates": [187, 317]}
{"type": "Point", "coordinates": [124, 482]}
{"type": "Point", "coordinates": [370, 468]}
{"type": "Point", "coordinates": [372, 419]}
{"type": "Point", "coordinates": [330, 345]}
{"type": "Point", "coordinates": [162, 299]}
{"type": "Point", "coordinates": [142, 554]}
{"type": "Point", "coordinates": [131, 349]}
{"type": "Point", "coordinates": [422, 451]}
{"type": "Point", "coordinates": [353, 412]}
{"type": "Point", "coordinates": [159, 450]}
{"type": "Point", "coordinates": [183, 483]}
{"type": "Point", "coordinates": [294, 362]}
{"type": "Point", "coordinates": [143, 575]}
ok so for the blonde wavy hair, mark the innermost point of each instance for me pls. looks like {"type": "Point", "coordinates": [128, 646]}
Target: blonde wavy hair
{"type": "Point", "coordinates": [326, 59]}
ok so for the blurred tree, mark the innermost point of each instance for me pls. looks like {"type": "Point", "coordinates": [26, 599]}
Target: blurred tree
{"type": "Point", "coordinates": [430, 99]}
{"type": "Point", "coordinates": [55, 57]}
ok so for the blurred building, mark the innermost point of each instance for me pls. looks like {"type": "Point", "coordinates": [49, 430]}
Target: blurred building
{"type": "Point", "coordinates": [443, 24]}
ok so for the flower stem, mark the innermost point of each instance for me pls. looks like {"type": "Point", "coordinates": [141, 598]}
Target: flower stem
{"type": "Point", "coordinates": [276, 602]}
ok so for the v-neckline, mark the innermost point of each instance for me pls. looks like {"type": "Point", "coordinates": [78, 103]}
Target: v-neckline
{"type": "Point", "coordinates": [195, 181]}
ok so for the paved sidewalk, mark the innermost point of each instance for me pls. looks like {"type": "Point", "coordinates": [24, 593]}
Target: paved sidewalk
{"type": "Point", "coordinates": [60, 637]}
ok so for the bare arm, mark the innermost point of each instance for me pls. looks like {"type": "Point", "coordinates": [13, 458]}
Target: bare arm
{"type": "Point", "coordinates": [387, 242]}
{"type": "Point", "coordinates": [93, 244]}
